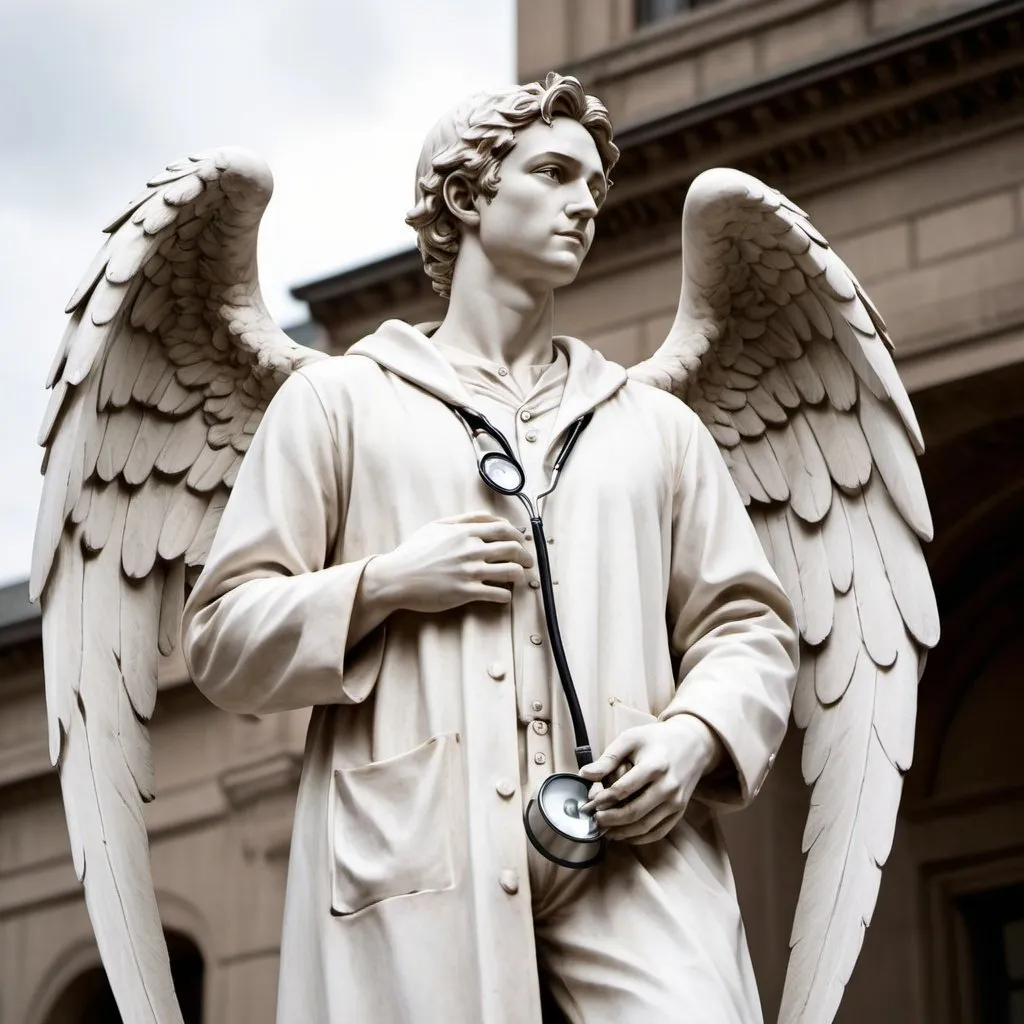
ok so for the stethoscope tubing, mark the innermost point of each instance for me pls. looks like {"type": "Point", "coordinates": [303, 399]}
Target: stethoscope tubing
{"type": "Point", "coordinates": [584, 752]}
{"type": "Point", "coordinates": [477, 423]}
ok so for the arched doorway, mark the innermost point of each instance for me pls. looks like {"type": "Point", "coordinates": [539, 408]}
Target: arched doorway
{"type": "Point", "coordinates": [88, 999]}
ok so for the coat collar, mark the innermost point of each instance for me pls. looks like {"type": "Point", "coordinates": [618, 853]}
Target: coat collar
{"type": "Point", "coordinates": [408, 352]}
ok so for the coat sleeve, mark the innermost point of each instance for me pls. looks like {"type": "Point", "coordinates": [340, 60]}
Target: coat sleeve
{"type": "Point", "coordinates": [266, 626]}
{"type": "Point", "coordinates": [732, 629]}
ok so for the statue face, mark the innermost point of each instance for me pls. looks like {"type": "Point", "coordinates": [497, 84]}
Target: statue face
{"type": "Point", "coordinates": [539, 226]}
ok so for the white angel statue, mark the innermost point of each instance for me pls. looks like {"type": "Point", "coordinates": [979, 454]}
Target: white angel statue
{"type": "Point", "coordinates": [373, 562]}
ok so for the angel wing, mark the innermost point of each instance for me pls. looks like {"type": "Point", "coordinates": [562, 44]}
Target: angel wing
{"type": "Point", "coordinates": [777, 348]}
{"type": "Point", "coordinates": [167, 365]}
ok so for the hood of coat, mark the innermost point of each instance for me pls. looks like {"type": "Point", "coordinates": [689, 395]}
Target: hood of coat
{"type": "Point", "coordinates": [409, 353]}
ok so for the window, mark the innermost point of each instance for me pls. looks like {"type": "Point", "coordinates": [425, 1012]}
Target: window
{"type": "Point", "coordinates": [995, 926]}
{"type": "Point", "coordinates": [647, 12]}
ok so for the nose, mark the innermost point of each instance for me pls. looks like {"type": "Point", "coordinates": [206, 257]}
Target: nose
{"type": "Point", "coordinates": [581, 203]}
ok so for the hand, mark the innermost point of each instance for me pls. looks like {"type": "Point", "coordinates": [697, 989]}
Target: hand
{"type": "Point", "coordinates": [450, 562]}
{"type": "Point", "coordinates": [669, 759]}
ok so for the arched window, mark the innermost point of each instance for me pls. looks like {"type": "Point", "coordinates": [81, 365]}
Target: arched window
{"type": "Point", "coordinates": [88, 999]}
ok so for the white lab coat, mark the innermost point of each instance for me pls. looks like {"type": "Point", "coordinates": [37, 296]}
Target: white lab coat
{"type": "Point", "coordinates": [395, 909]}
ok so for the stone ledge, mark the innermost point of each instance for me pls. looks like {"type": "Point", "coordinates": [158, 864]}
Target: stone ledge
{"type": "Point", "coordinates": [27, 760]}
{"type": "Point", "coordinates": [249, 783]}
{"type": "Point", "coordinates": [978, 354]}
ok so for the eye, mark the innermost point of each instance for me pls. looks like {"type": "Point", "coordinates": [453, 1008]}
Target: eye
{"type": "Point", "coordinates": [551, 171]}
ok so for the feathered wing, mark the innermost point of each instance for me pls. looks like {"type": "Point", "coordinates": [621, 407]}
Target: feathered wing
{"type": "Point", "coordinates": [167, 365]}
{"type": "Point", "coordinates": [785, 359]}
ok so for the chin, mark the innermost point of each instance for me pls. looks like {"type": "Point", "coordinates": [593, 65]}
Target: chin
{"type": "Point", "coordinates": [552, 271]}
{"type": "Point", "coordinates": [559, 273]}
{"type": "Point", "coordinates": [564, 279]}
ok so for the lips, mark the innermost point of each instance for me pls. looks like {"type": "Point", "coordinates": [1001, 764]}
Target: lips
{"type": "Point", "coordinates": [577, 235]}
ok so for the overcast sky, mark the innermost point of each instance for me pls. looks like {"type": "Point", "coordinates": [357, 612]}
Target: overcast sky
{"type": "Point", "coordinates": [98, 95]}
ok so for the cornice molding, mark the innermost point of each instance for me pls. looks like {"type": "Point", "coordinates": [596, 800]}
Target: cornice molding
{"type": "Point", "coordinates": [918, 89]}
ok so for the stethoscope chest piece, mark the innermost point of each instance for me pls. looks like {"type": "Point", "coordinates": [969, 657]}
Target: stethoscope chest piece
{"type": "Point", "coordinates": [558, 828]}
{"type": "Point", "coordinates": [502, 474]}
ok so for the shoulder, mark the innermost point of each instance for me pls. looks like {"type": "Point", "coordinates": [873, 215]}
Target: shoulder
{"type": "Point", "coordinates": [322, 393]}
{"type": "Point", "coordinates": [339, 372]}
{"type": "Point", "coordinates": [339, 381]}
{"type": "Point", "coordinates": [667, 411]}
{"type": "Point", "coordinates": [663, 418]}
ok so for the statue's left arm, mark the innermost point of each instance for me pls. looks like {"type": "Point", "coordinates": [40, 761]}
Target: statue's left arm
{"type": "Point", "coordinates": [732, 630]}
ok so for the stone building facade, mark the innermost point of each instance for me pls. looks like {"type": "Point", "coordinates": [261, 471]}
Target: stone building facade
{"type": "Point", "coordinates": [899, 126]}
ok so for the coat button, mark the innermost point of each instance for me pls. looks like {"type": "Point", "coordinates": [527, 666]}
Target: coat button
{"type": "Point", "coordinates": [509, 880]}
{"type": "Point", "coordinates": [505, 789]}
{"type": "Point", "coordinates": [496, 670]}
{"type": "Point", "coordinates": [531, 435]}
{"type": "Point", "coordinates": [502, 371]}
{"type": "Point", "coordinates": [540, 728]}
{"type": "Point", "coordinates": [535, 584]}
{"type": "Point", "coordinates": [526, 415]}
{"type": "Point", "coordinates": [540, 757]}
{"type": "Point", "coordinates": [536, 639]}
{"type": "Point", "coordinates": [537, 705]}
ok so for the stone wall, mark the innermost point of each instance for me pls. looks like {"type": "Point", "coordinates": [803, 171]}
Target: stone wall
{"type": "Point", "coordinates": [700, 54]}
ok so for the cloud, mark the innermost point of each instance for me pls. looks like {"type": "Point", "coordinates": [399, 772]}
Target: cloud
{"type": "Point", "coordinates": [97, 95]}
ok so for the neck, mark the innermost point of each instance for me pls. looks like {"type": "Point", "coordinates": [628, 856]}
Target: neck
{"type": "Point", "coordinates": [499, 320]}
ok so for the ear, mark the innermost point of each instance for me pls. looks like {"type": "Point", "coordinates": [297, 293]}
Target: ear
{"type": "Point", "coordinates": [461, 199]}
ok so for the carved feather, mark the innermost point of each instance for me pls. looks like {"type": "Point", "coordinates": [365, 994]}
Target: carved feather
{"type": "Point", "coordinates": [841, 442]}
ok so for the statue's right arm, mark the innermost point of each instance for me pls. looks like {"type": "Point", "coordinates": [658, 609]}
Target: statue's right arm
{"type": "Point", "coordinates": [268, 626]}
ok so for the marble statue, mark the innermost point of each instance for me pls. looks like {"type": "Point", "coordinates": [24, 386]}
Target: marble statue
{"type": "Point", "coordinates": [746, 499]}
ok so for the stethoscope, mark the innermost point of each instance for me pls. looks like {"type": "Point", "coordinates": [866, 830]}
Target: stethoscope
{"type": "Point", "coordinates": [554, 822]}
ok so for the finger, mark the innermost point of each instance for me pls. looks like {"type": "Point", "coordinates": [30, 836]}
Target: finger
{"type": "Point", "coordinates": [483, 592]}
{"type": "Point", "coordinates": [495, 529]}
{"type": "Point", "coordinates": [657, 823]}
{"type": "Point", "coordinates": [660, 832]}
{"type": "Point", "coordinates": [612, 777]}
{"type": "Point", "coordinates": [615, 753]}
{"type": "Point", "coordinates": [480, 515]}
{"type": "Point", "coordinates": [498, 572]}
{"type": "Point", "coordinates": [633, 810]}
{"type": "Point", "coordinates": [628, 785]}
{"type": "Point", "coordinates": [507, 551]}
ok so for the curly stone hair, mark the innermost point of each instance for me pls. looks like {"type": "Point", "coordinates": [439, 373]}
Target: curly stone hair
{"type": "Point", "coordinates": [473, 139]}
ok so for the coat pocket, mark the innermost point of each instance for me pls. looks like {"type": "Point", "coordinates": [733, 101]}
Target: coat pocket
{"type": "Point", "coordinates": [393, 826]}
